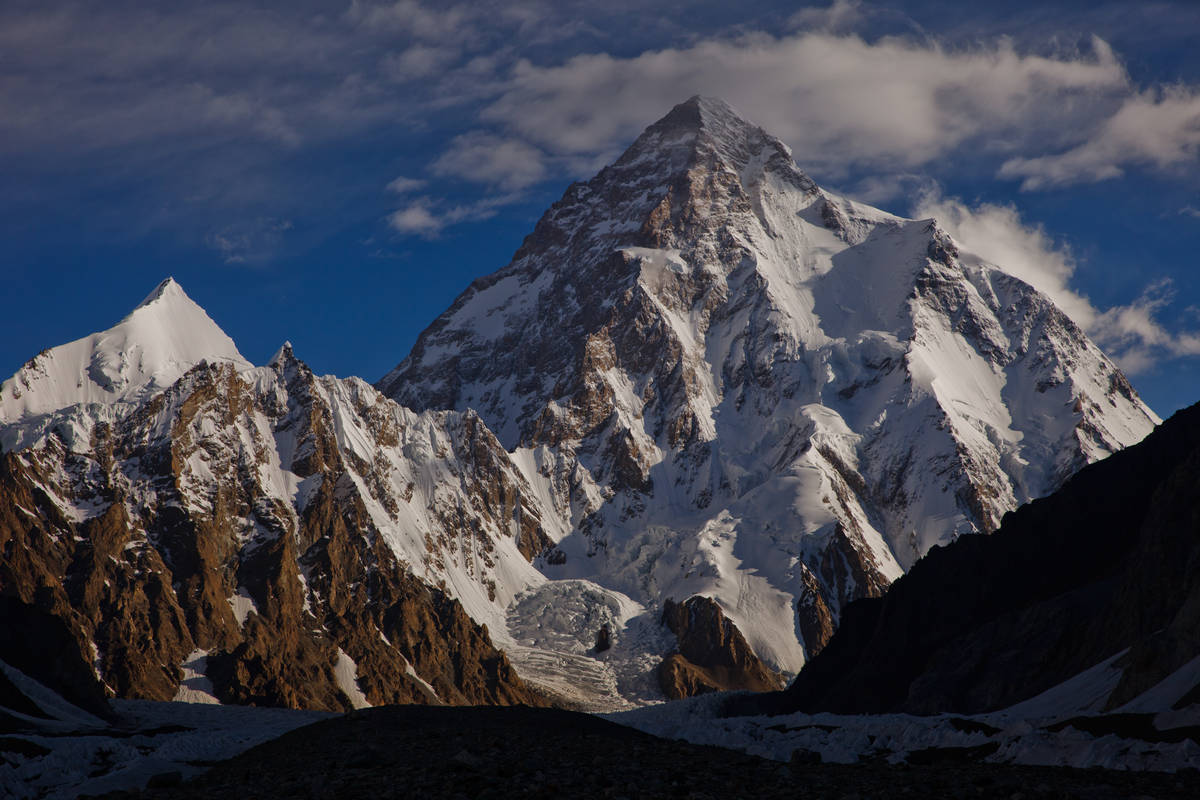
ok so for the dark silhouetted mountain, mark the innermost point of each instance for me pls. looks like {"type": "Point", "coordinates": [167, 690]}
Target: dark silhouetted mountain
{"type": "Point", "coordinates": [1107, 565]}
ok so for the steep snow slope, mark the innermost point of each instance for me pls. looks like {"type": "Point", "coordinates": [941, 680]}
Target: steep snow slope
{"type": "Point", "coordinates": [724, 380]}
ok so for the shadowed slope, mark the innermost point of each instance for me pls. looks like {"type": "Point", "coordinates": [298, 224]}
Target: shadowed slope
{"type": "Point", "coordinates": [1111, 561]}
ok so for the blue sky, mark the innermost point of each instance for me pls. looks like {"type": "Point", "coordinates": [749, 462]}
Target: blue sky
{"type": "Point", "coordinates": [335, 174]}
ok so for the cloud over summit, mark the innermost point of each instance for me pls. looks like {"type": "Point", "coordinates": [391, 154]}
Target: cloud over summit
{"type": "Point", "coordinates": [1131, 333]}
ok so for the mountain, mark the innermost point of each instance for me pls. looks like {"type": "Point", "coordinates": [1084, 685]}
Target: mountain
{"type": "Point", "coordinates": [723, 380]}
{"type": "Point", "coordinates": [256, 535]}
{"type": "Point", "coordinates": [1097, 585]}
{"type": "Point", "coordinates": [706, 407]}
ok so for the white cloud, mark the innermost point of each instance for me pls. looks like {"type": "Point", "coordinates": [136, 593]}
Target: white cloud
{"type": "Point", "coordinates": [835, 99]}
{"type": "Point", "coordinates": [1159, 129]}
{"type": "Point", "coordinates": [997, 234]}
{"type": "Point", "coordinates": [486, 158]}
{"type": "Point", "coordinates": [417, 219]}
{"type": "Point", "coordinates": [405, 185]}
{"type": "Point", "coordinates": [428, 216]}
{"type": "Point", "coordinates": [1131, 333]}
{"type": "Point", "coordinates": [1190, 211]}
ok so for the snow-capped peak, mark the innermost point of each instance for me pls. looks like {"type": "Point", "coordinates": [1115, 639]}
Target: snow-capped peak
{"type": "Point", "coordinates": [163, 337]}
{"type": "Point", "coordinates": [739, 385]}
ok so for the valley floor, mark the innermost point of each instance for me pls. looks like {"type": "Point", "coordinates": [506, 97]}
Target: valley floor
{"type": "Point", "coordinates": [1023, 735]}
{"type": "Point", "coordinates": [75, 754]}
{"type": "Point", "coordinates": [520, 752]}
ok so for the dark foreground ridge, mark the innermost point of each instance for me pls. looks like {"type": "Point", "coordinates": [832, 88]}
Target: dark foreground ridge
{"type": "Point", "coordinates": [412, 751]}
{"type": "Point", "coordinates": [1109, 563]}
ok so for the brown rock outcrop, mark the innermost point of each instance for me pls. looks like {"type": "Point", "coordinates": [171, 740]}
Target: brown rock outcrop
{"type": "Point", "coordinates": [713, 656]}
{"type": "Point", "coordinates": [813, 615]}
{"type": "Point", "coordinates": [162, 540]}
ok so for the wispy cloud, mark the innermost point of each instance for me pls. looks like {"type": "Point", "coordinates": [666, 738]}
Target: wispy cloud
{"type": "Point", "coordinates": [839, 16]}
{"type": "Point", "coordinates": [417, 62]}
{"type": "Point", "coordinates": [1132, 333]}
{"type": "Point", "coordinates": [888, 187]}
{"type": "Point", "coordinates": [249, 242]}
{"type": "Point", "coordinates": [1138, 338]}
{"type": "Point", "coordinates": [485, 158]}
{"type": "Point", "coordinates": [84, 78]}
{"type": "Point", "coordinates": [406, 185]}
{"type": "Point", "coordinates": [1160, 129]}
{"type": "Point", "coordinates": [408, 16]}
{"type": "Point", "coordinates": [428, 216]}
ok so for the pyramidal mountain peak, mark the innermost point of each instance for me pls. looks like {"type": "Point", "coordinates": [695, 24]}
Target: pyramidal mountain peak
{"type": "Point", "coordinates": [732, 383]}
{"type": "Point", "coordinates": [698, 111]}
{"type": "Point", "coordinates": [704, 122]}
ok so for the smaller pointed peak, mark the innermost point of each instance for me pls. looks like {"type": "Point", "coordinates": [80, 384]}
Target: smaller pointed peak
{"type": "Point", "coordinates": [162, 338]}
{"type": "Point", "coordinates": [283, 356]}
